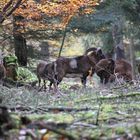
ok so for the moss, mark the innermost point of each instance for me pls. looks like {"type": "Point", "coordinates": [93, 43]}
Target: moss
{"type": "Point", "coordinates": [16, 120]}
{"type": "Point", "coordinates": [120, 130]}
{"type": "Point", "coordinates": [53, 117]}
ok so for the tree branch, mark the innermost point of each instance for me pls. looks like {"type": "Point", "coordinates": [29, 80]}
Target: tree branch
{"type": "Point", "coordinates": [4, 13]}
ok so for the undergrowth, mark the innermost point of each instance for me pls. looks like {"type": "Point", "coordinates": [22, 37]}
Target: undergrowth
{"type": "Point", "coordinates": [106, 112]}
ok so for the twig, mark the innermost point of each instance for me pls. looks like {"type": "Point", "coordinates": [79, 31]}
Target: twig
{"type": "Point", "coordinates": [98, 113]}
{"type": "Point", "coordinates": [120, 86]}
{"type": "Point", "coordinates": [31, 133]}
{"type": "Point", "coordinates": [99, 109]}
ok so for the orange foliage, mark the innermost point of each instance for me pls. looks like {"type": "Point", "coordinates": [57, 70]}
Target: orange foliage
{"type": "Point", "coordinates": [32, 11]}
{"type": "Point", "coordinates": [7, 8]}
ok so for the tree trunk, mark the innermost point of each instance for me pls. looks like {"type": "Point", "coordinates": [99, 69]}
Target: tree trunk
{"type": "Point", "coordinates": [20, 49]}
{"type": "Point", "coordinates": [19, 41]}
{"type": "Point", "coordinates": [44, 52]}
{"type": "Point", "coordinates": [62, 44]}
{"type": "Point", "coordinates": [117, 34]}
{"type": "Point", "coordinates": [132, 56]}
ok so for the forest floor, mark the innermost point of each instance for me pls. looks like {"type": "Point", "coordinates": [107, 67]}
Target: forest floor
{"type": "Point", "coordinates": [97, 112]}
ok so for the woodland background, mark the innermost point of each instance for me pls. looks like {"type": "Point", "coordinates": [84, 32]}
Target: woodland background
{"type": "Point", "coordinates": [36, 30]}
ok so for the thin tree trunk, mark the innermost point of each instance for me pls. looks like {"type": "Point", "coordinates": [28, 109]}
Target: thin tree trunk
{"type": "Point", "coordinates": [64, 36]}
{"type": "Point", "coordinates": [132, 56]}
{"type": "Point", "coordinates": [118, 41]}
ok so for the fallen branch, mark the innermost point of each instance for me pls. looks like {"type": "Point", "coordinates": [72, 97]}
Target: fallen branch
{"type": "Point", "coordinates": [112, 97]}
{"type": "Point", "coordinates": [66, 109]}
{"type": "Point", "coordinates": [84, 125]}
{"type": "Point", "coordinates": [52, 127]}
{"type": "Point", "coordinates": [120, 86]}
{"type": "Point", "coordinates": [48, 109]}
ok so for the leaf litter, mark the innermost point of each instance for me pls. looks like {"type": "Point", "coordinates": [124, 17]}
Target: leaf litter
{"type": "Point", "coordinates": [108, 112]}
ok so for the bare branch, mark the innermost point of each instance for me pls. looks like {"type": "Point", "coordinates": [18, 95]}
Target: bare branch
{"type": "Point", "coordinates": [7, 6]}
{"type": "Point", "coordinates": [3, 14]}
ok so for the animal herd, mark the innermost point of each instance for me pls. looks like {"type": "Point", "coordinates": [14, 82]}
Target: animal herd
{"type": "Point", "coordinates": [92, 61]}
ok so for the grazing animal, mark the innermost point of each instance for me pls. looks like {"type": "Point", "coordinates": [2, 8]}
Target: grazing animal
{"type": "Point", "coordinates": [104, 69]}
{"type": "Point", "coordinates": [50, 74]}
{"type": "Point", "coordinates": [80, 66]}
{"type": "Point", "coordinates": [123, 69]}
{"type": "Point", "coordinates": [45, 71]}
{"type": "Point", "coordinates": [108, 70]}
{"type": "Point", "coordinates": [40, 73]}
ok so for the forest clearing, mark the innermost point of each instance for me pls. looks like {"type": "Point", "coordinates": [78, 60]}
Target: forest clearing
{"type": "Point", "coordinates": [69, 70]}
